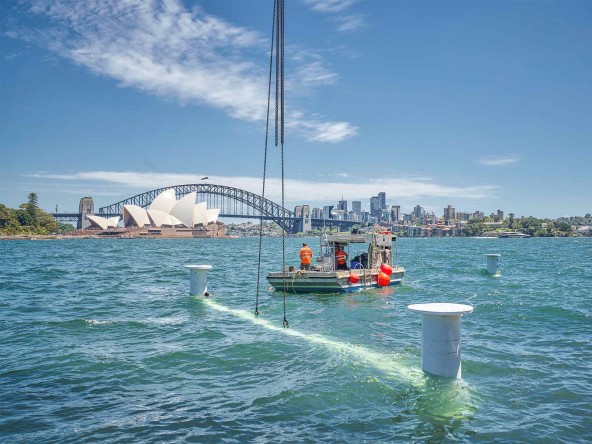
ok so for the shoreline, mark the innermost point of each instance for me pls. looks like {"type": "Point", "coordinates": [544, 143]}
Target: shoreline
{"type": "Point", "coordinates": [97, 236]}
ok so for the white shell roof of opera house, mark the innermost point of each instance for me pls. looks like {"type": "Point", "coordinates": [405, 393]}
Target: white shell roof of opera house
{"type": "Point", "coordinates": [166, 211]}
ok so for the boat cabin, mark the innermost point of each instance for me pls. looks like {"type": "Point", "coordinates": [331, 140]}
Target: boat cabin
{"type": "Point", "coordinates": [364, 251]}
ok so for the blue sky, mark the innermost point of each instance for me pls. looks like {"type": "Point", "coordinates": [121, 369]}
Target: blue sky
{"type": "Point", "coordinates": [481, 105]}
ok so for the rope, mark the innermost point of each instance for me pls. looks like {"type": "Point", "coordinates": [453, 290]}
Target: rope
{"type": "Point", "coordinates": [265, 159]}
{"type": "Point", "coordinates": [280, 56]}
{"type": "Point", "coordinates": [298, 272]}
{"type": "Point", "coordinates": [277, 35]}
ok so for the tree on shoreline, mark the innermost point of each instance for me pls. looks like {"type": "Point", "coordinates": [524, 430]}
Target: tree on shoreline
{"type": "Point", "coordinates": [474, 227]}
{"type": "Point", "coordinates": [32, 206]}
{"type": "Point", "coordinates": [28, 219]}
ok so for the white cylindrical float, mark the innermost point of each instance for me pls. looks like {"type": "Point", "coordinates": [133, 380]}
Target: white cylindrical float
{"type": "Point", "coordinates": [492, 263]}
{"type": "Point", "coordinates": [440, 346]}
{"type": "Point", "coordinates": [198, 279]}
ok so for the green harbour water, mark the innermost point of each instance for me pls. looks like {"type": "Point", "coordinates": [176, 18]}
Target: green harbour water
{"type": "Point", "coordinates": [101, 342]}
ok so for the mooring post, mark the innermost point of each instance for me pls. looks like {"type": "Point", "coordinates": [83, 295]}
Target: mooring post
{"type": "Point", "coordinates": [492, 263]}
{"type": "Point", "coordinates": [440, 346]}
{"type": "Point", "coordinates": [198, 279]}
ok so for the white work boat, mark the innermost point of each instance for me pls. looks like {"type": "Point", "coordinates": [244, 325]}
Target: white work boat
{"type": "Point", "coordinates": [364, 269]}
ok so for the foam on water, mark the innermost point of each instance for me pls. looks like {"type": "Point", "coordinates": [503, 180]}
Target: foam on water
{"type": "Point", "coordinates": [454, 397]}
{"type": "Point", "coordinates": [387, 364]}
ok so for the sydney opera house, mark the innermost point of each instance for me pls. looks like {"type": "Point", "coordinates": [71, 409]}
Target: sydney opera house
{"type": "Point", "coordinates": [167, 217]}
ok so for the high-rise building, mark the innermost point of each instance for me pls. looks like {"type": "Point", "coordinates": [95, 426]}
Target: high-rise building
{"type": "Point", "coordinates": [375, 208]}
{"type": "Point", "coordinates": [357, 206]}
{"type": "Point", "coordinates": [418, 212]}
{"type": "Point", "coordinates": [395, 213]}
{"type": "Point", "coordinates": [382, 199]}
{"type": "Point", "coordinates": [317, 213]}
{"type": "Point", "coordinates": [500, 215]}
{"type": "Point", "coordinates": [342, 205]}
{"type": "Point", "coordinates": [449, 214]}
{"type": "Point", "coordinates": [327, 211]}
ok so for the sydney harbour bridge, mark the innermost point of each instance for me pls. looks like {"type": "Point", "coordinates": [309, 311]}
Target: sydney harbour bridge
{"type": "Point", "coordinates": [232, 202]}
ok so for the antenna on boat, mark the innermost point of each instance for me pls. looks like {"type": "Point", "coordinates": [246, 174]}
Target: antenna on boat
{"type": "Point", "coordinates": [277, 49]}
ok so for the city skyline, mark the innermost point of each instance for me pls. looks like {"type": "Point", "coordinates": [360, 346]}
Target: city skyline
{"type": "Point", "coordinates": [481, 106]}
{"type": "Point", "coordinates": [392, 213]}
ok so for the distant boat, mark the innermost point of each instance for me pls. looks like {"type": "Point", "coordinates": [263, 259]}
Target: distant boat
{"type": "Point", "coordinates": [364, 271]}
{"type": "Point", "coordinates": [513, 234]}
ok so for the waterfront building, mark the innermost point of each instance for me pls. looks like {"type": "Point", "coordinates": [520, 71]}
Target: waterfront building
{"type": "Point", "coordinates": [478, 215]}
{"type": "Point", "coordinates": [449, 214]}
{"type": "Point", "coordinates": [357, 207]}
{"type": "Point", "coordinates": [102, 223]}
{"type": "Point", "coordinates": [168, 217]}
{"type": "Point", "coordinates": [493, 225]}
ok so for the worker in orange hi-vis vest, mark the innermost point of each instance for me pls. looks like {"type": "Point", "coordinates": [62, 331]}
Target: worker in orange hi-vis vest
{"type": "Point", "coordinates": [305, 257]}
{"type": "Point", "coordinates": [341, 258]}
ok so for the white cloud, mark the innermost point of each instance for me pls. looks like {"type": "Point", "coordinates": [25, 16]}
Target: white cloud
{"type": "Point", "coordinates": [131, 182]}
{"type": "Point", "coordinates": [319, 131]}
{"type": "Point", "coordinates": [498, 160]}
{"type": "Point", "coordinates": [314, 74]}
{"type": "Point", "coordinates": [330, 6]}
{"type": "Point", "coordinates": [338, 10]}
{"type": "Point", "coordinates": [350, 22]}
{"type": "Point", "coordinates": [164, 49]}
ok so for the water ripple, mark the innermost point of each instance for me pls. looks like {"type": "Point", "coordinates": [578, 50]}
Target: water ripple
{"type": "Point", "coordinates": [121, 353]}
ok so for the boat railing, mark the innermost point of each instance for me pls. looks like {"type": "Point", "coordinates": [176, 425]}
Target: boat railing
{"type": "Point", "coordinates": [366, 274]}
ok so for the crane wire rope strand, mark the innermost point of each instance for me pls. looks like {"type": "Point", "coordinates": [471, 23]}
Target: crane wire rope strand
{"type": "Point", "coordinates": [265, 158]}
{"type": "Point", "coordinates": [279, 78]}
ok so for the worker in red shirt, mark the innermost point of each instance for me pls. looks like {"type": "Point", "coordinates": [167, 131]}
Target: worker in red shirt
{"type": "Point", "coordinates": [305, 257]}
{"type": "Point", "coordinates": [340, 258]}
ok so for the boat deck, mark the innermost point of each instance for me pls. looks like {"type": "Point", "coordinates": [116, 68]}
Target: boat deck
{"type": "Point", "coordinates": [304, 281]}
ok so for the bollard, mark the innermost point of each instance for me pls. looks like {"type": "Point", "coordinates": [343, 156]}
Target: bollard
{"type": "Point", "coordinates": [492, 260]}
{"type": "Point", "coordinates": [440, 344]}
{"type": "Point", "coordinates": [198, 279]}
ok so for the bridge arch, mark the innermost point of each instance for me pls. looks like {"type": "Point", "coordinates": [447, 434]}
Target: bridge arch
{"type": "Point", "coordinates": [270, 210]}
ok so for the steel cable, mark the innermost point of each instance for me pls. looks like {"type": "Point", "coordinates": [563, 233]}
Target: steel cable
{"type": "Point", "coordinates": [265, 158]}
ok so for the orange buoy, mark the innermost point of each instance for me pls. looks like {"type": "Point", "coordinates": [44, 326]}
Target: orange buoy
{"type": "Point", "coordinates": [354, 278]}
{"type": "Point", "coordinates": [383, 279]}
{"type": "Point", "coordinates": [387, 269]}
